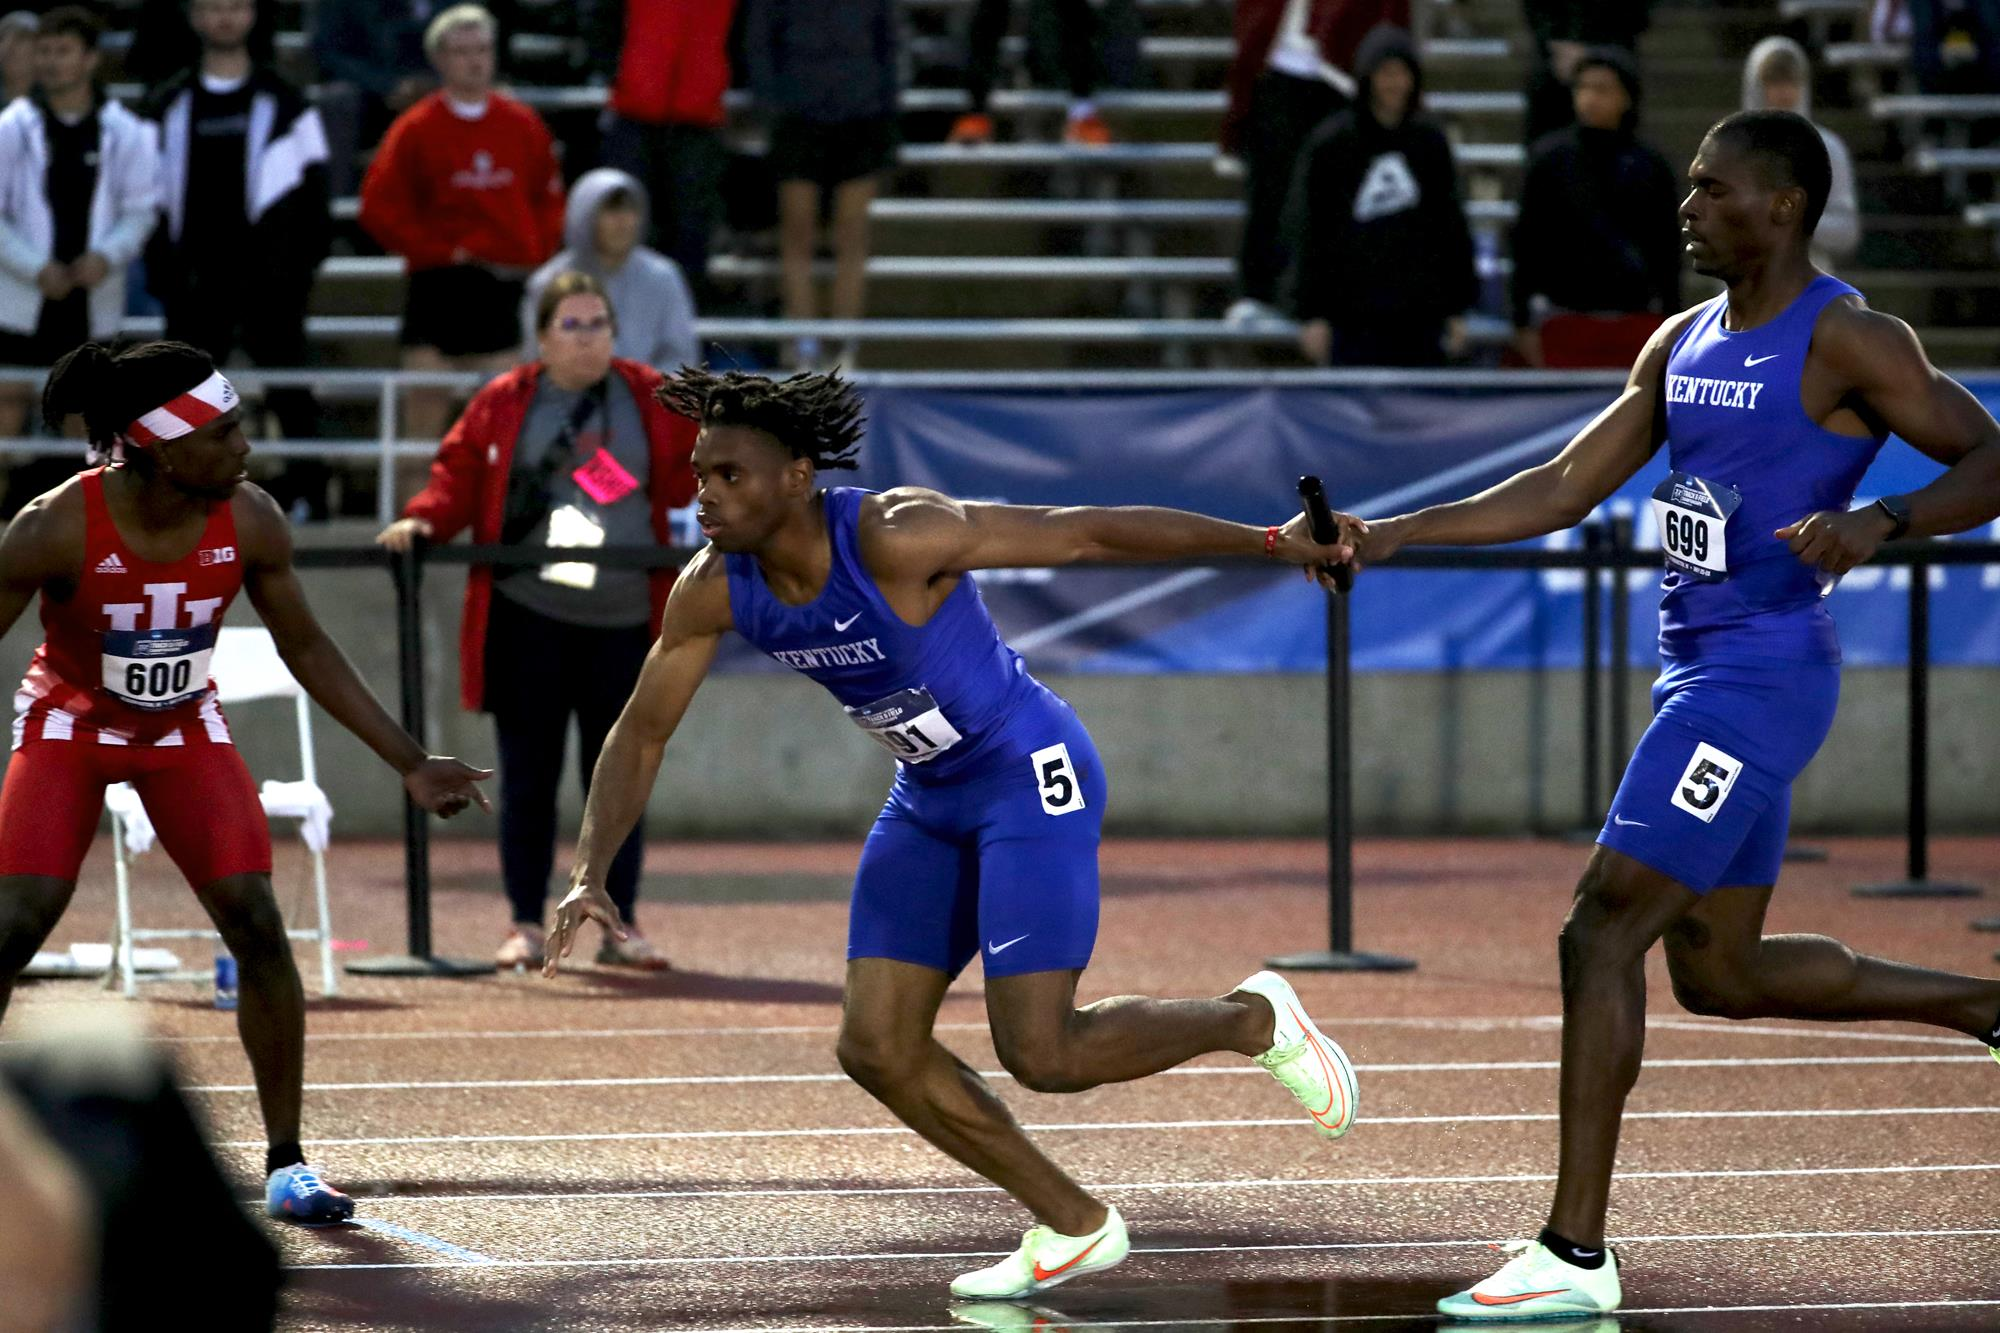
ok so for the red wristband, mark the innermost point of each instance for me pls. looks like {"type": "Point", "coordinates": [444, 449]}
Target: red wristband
{"type": "Point", "coordinates": [1270, 541]}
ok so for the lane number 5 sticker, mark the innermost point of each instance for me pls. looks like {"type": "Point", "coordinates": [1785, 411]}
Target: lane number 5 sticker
{"type": "Point", "coordinates": [1056, 780]}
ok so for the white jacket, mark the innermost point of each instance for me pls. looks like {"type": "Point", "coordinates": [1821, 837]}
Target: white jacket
{"type": "Point", "coordinates": [123, 210]}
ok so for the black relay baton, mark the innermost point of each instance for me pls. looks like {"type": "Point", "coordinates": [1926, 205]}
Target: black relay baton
{"type": "Point", "coordinates": [1319, 517]}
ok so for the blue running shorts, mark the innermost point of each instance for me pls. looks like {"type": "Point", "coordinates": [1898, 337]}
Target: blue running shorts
{"type": "Point", "coordinates": [1707, 798]}
{"type": "Point", "coordinates": [1002, 861]}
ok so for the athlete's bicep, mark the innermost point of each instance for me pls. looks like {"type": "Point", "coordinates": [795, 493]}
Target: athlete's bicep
{"type": "Point", "coordinates": [1901, 392]}
{"type": "Point", "coordinates": [1618, 442]}
{"type": "Point", "coordinates": [269, 579]}
{"type": "Point", "coordinates": [696, 618]}
{"type": "Point", "coordinates": [914, 533]}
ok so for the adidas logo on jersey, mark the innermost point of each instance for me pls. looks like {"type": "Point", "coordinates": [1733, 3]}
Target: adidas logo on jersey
{"type": "Point", "coordinates": [111, 564]}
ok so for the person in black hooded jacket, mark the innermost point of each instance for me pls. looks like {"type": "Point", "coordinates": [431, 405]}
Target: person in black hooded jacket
{"type": "Point", "coordinates": [1599, 229]}
{"type": "Point", "coordinates": [1382, 255]}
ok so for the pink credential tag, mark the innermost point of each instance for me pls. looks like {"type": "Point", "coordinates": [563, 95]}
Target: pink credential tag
{"type": "Point", "coordinates": [604, 479]}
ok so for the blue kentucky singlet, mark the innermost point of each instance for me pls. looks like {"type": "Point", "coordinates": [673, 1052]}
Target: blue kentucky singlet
{"type": "Point", "coordinates": [937, 696]}
{"type": "Point", "coordinates": [1739, 438]}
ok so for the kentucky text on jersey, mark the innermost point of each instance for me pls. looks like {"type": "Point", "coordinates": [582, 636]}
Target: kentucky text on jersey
{"type": "Point", "coordinates": [1714, 393]}
{"type": "Point", "coordinates": [859, 653]}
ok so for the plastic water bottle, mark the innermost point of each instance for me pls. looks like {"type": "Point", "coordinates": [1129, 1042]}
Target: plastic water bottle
{"type": "Point", "coordinates": [225, 981]}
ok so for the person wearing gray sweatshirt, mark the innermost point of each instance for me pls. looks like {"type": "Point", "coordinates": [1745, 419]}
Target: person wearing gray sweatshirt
{"type": "Point", "coordinates": [601, 230]}
{"type": "Point", "coordinates": [1777, 76]}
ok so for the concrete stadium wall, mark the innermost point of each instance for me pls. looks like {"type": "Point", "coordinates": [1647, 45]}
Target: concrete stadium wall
{"type": "Point", "coordinates": [1480, 751]}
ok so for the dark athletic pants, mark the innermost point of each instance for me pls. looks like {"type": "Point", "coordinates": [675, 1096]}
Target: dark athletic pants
{"type": "Point", "coordinates": [538, 672]}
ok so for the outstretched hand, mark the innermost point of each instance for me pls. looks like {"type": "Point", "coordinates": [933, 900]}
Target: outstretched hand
{"type": "Point", "coordinates": [1295, 546]}
{"type": "Point", "coordinates": [585, 902]}
{"type": "Point", "coordinates": [445, 786]}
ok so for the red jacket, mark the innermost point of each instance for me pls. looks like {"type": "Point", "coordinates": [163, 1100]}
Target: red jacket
{"type": "Point", "coordinates": [1336, 25]}
{"type": "Point", "coordinates": [490, 187]}
{"type": "Point", "coordinates": [673, 62]}
{"type": "Point", "coordinates": [468, 489]}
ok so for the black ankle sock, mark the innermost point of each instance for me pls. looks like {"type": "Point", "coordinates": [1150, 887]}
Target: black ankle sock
{"type": "Point", "coordinates": [1570, 1252]}
{"type": "Point", "coordinates": [281, 1155]}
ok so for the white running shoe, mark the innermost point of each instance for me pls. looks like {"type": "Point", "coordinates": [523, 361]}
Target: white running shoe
{"type": "Point", "coordinates": [1005, 1316]}
{"type": "Point", "coordinates": [1535, 1284]}
{"type": "Point", "coordinates": [1304, 1059]}
{"type": "Point", "coordinates": [1046, 1259]}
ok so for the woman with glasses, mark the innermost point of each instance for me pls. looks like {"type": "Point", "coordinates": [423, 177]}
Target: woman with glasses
{"type": "Point", "coordinates": [569, 451]}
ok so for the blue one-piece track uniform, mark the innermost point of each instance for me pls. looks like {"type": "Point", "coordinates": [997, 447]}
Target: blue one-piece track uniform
{"type": "Point", "coordinates": [1751, 659]}
{"type": "Point", "coordinates": [989, 838]}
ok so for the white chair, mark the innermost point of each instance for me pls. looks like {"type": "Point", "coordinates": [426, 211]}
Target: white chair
{"type": "Point", "coordinates": [246, 666]}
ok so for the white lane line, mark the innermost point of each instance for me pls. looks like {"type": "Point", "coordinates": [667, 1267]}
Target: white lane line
{"type": "Point", "coordinates": [1169, 1186]}
{"type": "Point", "coordinates": [682, 1260]}
{"type": "Point", "coordinates": [1098, 1127]}
{"type": "Point", "coordinates": [1048, 1317]}
{"type": "Point", "coordinates": [1212, 1071]}
{"type": "Point", "coordinates": [1486, 1023]}
{"type": "Point", "coordinates": [429, 1242]}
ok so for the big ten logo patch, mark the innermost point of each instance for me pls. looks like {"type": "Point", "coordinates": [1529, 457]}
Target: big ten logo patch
{"type": "Point", "coordinates": [1704, 785]}
{"type": "Point", "coordinates": [216, 555]}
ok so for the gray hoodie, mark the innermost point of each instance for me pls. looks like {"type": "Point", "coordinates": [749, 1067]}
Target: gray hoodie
{"type": "Point", "coordinates": [649, 296]}
{"type": "Point", "coordinates": [1838, 235]}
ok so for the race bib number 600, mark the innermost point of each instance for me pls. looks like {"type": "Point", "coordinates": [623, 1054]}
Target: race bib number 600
{"type": "Point", "coordinates": [157, 669]}
{"type": "Point", "coordinates": [1694, 519]}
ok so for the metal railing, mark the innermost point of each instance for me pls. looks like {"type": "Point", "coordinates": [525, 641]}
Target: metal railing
{"type": "Point", "coordinates": [1606, 551]}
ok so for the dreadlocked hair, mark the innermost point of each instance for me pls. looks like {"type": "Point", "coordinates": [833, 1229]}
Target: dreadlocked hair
{"type": "Point", "coordinates": [815, 416]}
{"type": "Point", "coordinates": [112, 391]}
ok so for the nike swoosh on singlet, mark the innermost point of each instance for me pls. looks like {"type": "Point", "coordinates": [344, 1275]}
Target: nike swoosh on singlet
{"type": "Point", "coordinates": [1044, 1274]}
{"type": "Point", "coordinates": [1749, 361]}
{"type": "Point", "coordinates": [1516, 1300]}
{"type": "Point", "coordinates": [840, 626]}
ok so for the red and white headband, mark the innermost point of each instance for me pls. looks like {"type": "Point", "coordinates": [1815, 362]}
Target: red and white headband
{"type": "Point", "coordinates": [186, 413]}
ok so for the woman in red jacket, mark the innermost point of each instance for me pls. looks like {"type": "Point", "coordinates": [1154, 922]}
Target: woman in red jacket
{"type": "Point", "coordinates": [607, 462]}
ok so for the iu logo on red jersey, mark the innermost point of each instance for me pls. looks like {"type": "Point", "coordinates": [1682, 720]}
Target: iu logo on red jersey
{"type": "Point", "coordinates": [165, 604]}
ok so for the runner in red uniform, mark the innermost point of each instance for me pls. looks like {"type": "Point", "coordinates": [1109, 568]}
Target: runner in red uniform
{"type": "Point", "coordinates": [135, 564]}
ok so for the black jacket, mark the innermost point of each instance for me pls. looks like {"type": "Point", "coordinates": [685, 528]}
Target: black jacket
{"type": "Point", "coordinates": [1599, 228]}
{"type": "Point", "coordinates": [1374, 222]}
{"type": "Point", "coordinates": [827, 63]}
{"type": "Point", "coordinates": [291, 227]}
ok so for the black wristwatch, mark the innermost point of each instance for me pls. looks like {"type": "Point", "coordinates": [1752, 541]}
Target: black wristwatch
{"type": "Point", "coordinates": [1897, 507]}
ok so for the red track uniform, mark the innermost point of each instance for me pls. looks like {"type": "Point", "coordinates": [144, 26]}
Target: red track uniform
{"type": "Point", "coordinates": [119, 691]}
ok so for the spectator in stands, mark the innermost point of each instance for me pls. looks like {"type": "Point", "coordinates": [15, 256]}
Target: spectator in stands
{"type": "Point", "coordinates": [79, 191]}
{"type": "Point", "coordinates": [1597, 245]}
{"type": "Point", "coordinates": [1561, 31]}
{"type": "Point", "coordinates": [663, 120]}
{"type": "Point", "coordinates": [17, 53]}
{"type": "Point", "coordinates": [570, 450]}
{"type": "Point", "coordinates": [1778, 77]}
{"type": "Point", "coordinates": [1383, 253]}
{"type": "Point", "coordinates": [1077, 35]}
{"type": "Point", "coordinates": [164, 41]}
{"type": "Point", "coordinates": [602, 231]}
{"type": "Point", "coordinates": [827, 75]}
{"type": "Point", "coordinates": [243, 188]}
{"type": "Point", "coordinates": [1289, 74]}
{"type": "Point", "coordinates": [374, 67]}
{"type": "Point", "coordinates": [466, 188]}
{"type": "Point", "coordinates": [1929, 24]}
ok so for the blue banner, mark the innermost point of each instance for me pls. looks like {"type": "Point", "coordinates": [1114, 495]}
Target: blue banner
{"type": "Point", "coordinates": [1236, 453]}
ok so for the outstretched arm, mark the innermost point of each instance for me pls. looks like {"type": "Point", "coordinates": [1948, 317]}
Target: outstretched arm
{"type": "Point", "coordinates": [1897, 389]}
{"type": "Point", "coordinates": [629, 764]}
{"type": "Point", "coordinates": [1559, 493]}
{"type": "Point", "coordinates": [920, 532]}
{"type": "Point", "coordinates": [441, 785]}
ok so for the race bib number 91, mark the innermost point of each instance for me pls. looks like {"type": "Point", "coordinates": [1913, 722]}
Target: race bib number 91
{"type": "Point", "coordinates": [157, 669]}
{"type": "Point", "coordinates": [908, 724]}
{"type": "Point", "coordinates": [1694, 516]}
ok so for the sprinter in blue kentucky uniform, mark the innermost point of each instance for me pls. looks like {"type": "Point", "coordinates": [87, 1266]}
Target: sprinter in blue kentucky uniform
{"type": "Point", "coordinates": [988, 842]}
{"type": "Point", "coordinates": [1775, 397]}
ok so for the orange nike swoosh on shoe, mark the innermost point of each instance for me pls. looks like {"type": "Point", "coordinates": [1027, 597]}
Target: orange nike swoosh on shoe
{"type": "Point", "coordinates": [1516, 1300]}
{"type": "Point", "coordinates": [1044, 1274]}
{"type": "Point", "coordinates": [1332, 1078]}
